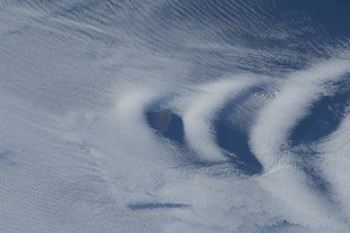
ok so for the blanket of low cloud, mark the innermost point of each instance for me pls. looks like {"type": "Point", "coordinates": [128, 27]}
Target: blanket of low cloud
{"type": "Point", "coordinates": [174, 116]}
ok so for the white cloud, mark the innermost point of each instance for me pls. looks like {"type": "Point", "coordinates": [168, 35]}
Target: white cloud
{"type": "Point", "coordinates": [275, 122]}
{"type": "Point", "coordinates": [202, 109]}
{"type": "Point", "coordinates": [77, 154]}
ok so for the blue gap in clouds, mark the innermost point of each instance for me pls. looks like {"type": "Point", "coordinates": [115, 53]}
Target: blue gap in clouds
{"type": "Point", "coordinates": [235, 141]}
{"type": "Point", "coordinates": [167, 124]}
{"type": "Point", "coordinates": [315, 180]}
{"type": "Point", "coordinates": [325, 117]}
{"type": "Point", "coordinates": [232, 139]}
{"type": "Point", "coordinates": [156, 205]}
{"type": "Point", "coordinates": [280, 226]}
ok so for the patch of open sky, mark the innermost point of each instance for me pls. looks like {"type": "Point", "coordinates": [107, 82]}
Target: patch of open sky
{"type": "Point", "coordinates": [325, 116]}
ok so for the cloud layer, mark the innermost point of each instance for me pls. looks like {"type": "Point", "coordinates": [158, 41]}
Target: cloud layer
{"type": "Point", "coordinates": [78, 153]}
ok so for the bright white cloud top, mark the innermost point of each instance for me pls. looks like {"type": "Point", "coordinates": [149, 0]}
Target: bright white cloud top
{"type": "Point", "coordinates": [92, 92]}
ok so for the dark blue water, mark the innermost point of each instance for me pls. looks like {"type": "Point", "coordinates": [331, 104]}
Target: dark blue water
{"type": "Point", "coordinates": [325, 115]}
{"type": "Point", "coordinates": [75, 55]}
{"type": "Point", "coordinates": [233, 140]}
{"type": "Point", "coordinates": [324, 118]}
{"type": "Point", "coordinates": [150, 206]}
{"type": "Point", "coordinates": [167, 125]}
{"type": "Point", "coordinates": [291, 31]}
{"type": "Point", "coordinates": [229, 136]}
